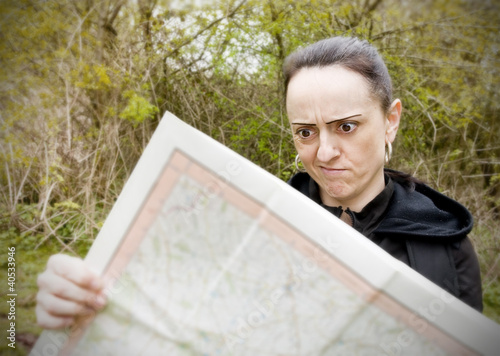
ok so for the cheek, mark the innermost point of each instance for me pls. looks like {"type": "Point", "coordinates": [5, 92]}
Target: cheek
{"type": "Point", "coordinates": [367, 151]}
{"type": "Point", "coordinates": [372, 146]}
{"type": "Point", "coordinates": [307, 153]}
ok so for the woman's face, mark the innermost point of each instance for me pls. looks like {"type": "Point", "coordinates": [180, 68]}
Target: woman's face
{"type": "Point", "coordinates": [340, 133]}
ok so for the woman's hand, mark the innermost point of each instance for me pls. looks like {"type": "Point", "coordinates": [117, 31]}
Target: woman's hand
{"type": "Point", "coordinates": [67, 288]}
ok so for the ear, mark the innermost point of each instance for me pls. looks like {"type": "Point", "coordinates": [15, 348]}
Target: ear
{"type": "Point", "coordinates": [393, 118]}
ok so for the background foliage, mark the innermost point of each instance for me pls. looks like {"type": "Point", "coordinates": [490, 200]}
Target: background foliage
{"type": "Point", "coordinates": [84, 84]}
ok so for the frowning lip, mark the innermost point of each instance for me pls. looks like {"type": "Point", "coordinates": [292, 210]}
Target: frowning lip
{"type": "Point", "coordinates": [332, 171]}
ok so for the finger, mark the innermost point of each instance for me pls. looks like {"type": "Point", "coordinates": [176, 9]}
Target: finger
{"type": "Point", "coordinates": [48, 321]}
{"type": "Point", "coordinates": [50, 283]}
{"type": "Point", "coordinates": [56, 306]}
{"type": "Point", "coordinates": [75, 270]}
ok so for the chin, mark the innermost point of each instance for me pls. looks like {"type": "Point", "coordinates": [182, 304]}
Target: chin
{"type": "Point", "coordinates": [338, 192]}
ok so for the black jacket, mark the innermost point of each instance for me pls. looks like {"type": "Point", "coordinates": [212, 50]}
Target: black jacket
{"type": "Point", "coordinates": [420, 227]}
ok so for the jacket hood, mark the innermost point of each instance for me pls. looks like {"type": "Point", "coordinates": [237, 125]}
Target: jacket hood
{"type": "Point", "coordinates": [419, 213]}
{"type": "Point", "coordinates": [423, 213]}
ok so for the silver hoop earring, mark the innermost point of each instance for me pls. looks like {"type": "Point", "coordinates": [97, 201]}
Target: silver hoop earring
{"type": "Point", "coordinates": [388, 152]}
{"type": "Point", "coordinates": [297, 161]}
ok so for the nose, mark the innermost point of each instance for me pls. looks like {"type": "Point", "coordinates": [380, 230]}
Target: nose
{"type": "Point", "coordinates": [328, 148]}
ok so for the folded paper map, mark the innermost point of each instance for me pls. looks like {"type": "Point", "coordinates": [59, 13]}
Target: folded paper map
{"type": "Point", "coordinates": [205, 253]}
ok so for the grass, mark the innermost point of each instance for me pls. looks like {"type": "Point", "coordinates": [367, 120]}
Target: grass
{"type": "Point", "coordinates": [491, 300]}
{"type": "Point", "coordinates": [485, 237]}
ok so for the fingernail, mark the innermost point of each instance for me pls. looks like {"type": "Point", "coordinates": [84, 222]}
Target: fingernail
{"type": "Point", "coordinates": [100, 301]}
{"type": "Point", "coordinates": [96, 284]}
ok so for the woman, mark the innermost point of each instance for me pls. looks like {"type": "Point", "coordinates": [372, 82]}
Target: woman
{"type": "Point", "coordinates": [343, 120]}
{"type": "Point", "coordinates": [338, 98]}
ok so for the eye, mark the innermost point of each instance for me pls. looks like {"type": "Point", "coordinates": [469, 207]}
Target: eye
{"type": "Point", "coordinates": [304, 133]}
{"type": "Point", "coordinates": [347, 127]}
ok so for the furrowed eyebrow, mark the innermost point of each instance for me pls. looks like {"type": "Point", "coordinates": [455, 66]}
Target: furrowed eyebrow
{"type": "Point", "coordinates": [327, 123]}
{"type": "Point", "coordinates": [345, 118]}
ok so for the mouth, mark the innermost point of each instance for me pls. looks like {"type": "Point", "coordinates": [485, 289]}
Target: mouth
{"type": "Point", "coordinates": [332, 171]}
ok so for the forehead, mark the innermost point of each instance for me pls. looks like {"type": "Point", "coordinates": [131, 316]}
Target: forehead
{"type": "Point", "coordinates": [332, 90]}
{"type": "Point", "coordinates": [328, 77]}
